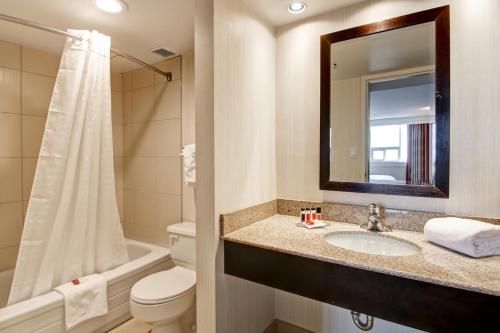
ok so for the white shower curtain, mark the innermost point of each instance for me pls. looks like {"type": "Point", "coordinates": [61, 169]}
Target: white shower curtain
{"type": "Point", "coordinates": [72, 226]}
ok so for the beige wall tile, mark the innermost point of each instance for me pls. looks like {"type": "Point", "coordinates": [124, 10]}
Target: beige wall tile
{"type": "Point", "coordinates": [11, 224]}
{"type": "Point", "coordinates": [172, 65]}
{"type": "Point", "coordinates": [117, 107]}
{"type": "Point", "coordinates": [127, 107]}
{"type": "Point", "coordinates": [188, 100]}
{"type": "Point", "coordinates": [140, 174]}
{"type": "Point", "coordinates": [144, 178]}
{"type": "Point", "coordinates": [167, 137]}
{"type": "Point", "coordinates": [128, 206]}
{"type": "Point", "coordinates": [188, 129]}
{"type": "Point", "coordinates": [10, 180]}
{"type": "Point", "coordinates": [143, 208]}
{"type": "Point", "coordinates": [10, 55]}
{"type": "Point", "coordinates": [127, 81]}
{"type": "Point", "coordinates": [32, 134]}
{"type": "Point", "coordinates": [29, 167]}
{"type": "Point", "coordinates": [144, 136]}
{"type": "Point", "coordinates": [118, 140]}
{"type": "Point", "coordinates": [142, 77]}
{"type": "Point", "coordinates": [39, 62]}
{"type": "Point", "coordinates": [188, 203]}
{"type": "Point", "coordinates": [25, 208]}
{"type": "Point", "coordinates": [10, 90]}
{"type": "Point", "coordinates": [166, 210]}
{"type": "Point", "coordinates": [152, 174]}
{"type": "Point", "coordinates": [156, 209]}
{"type": "Point", "coordinates": [168, 175]}
{"type": "Point", "coordinates": [10, 135]}
{"type": "Point", "coordinates": [150, 139]}
{"type": "Point", "coordinates": [116, 82]}
{"type": "Point", "coordinates": [119, 172]}
{"type": "Point", "coordinates": [129, 142]}
{"type": "Point", "coordinates": [36, 94]}
{"type": "Point", "coordinates": [143, 104]}
{"type": "Point", "coordinates": [146, 234]}
{"type": "Point", "coordinates": [168, 100]}
{"type": "Point", "coordinates": [119, 202]}
{"type": "Point", "coordinates": [128, 173]}
{"type": "Point", "coordinates": [8, 257]}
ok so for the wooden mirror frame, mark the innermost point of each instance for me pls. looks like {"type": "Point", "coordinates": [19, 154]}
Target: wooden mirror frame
{"type": "Point", "coordinates": [440, 189]}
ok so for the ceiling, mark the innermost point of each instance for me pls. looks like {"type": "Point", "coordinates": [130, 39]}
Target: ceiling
{"type": "Point", "coordinates": [388, 51]}
{"type": "Point", "coordinates": [276, 11]}
{"type": "Point", "coordinates": [404, 102]}
{"type": "Point", "coordinates": [145, 25]}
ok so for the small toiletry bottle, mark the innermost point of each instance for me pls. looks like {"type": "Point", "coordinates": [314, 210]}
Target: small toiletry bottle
{"type": "Point", "coordinates": [318, 213]}
{"type": "Point", "coordinates": [308, 215]}
{"type": "Point", "coordinates": [302, 215]}
{"type": "Point", "coordinates": [313, 214]}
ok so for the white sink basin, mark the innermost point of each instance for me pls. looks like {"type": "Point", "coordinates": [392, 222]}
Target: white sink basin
{"type": "Point", "coordinates": [372, 243]}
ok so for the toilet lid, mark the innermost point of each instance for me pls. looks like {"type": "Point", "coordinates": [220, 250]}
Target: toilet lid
{"type": "Point", "coordinates": [163, 286]}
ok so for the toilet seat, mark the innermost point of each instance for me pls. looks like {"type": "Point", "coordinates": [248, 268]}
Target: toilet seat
{"type": "Point", "coordinates": [164, 286]}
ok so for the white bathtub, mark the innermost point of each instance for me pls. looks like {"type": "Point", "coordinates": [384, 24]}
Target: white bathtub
{"type": "Point", "coordinates": [45, 313]}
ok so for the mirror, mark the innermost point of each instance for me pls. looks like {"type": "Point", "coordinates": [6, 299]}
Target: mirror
{"type": "Point", "coordinates": [385, 107]}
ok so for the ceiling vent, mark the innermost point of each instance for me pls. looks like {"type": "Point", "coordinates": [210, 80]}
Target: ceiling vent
{"type": "Point", "coordinates": [162, 52]}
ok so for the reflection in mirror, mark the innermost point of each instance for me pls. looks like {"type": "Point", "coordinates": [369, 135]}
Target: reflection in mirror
{"type": "Point", "coordinates": [382, 107]}
{"type": "Point", "coordinates": [402, 130]}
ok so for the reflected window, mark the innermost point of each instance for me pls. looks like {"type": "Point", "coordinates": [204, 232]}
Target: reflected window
{"type": "Point", "coordinates": [388, 143]}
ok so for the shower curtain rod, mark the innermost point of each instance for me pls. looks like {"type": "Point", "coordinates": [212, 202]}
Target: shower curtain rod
{"type": "Point", "coordinates": [4, 17]}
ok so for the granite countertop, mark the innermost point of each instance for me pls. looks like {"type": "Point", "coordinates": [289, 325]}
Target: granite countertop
{"type": "Point", "coordinates": [434, 264]}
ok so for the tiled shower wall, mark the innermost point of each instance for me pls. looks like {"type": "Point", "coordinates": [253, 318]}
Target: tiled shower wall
{"type": "Point", "coordinates": [146, 116]}
{"type": "Point", "coordinates": [151, 145]}
{"type": "Point", "coordinates": [27, 78]}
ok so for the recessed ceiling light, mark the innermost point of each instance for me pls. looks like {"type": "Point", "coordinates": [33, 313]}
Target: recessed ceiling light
{"type": "Point", "coordinates": [111, 6]}
{"type": "Point", "coordinates": [297, 7]}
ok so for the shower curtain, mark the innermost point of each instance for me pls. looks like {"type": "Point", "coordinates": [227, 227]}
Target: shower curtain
{"type": "Point", "coordinates": [72, 227]}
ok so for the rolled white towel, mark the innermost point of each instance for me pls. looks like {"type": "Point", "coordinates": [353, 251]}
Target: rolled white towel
{"type": "Point", "coordinates": [189, 154]}
{"type": "Point", "coordinates": [471, 237]}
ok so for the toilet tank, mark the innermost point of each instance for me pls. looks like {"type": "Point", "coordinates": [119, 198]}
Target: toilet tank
{"type": "Point", "coordinates": [182, 239]}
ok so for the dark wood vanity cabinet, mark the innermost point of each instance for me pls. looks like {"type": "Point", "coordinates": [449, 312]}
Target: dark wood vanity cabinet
{"type": "Point", "coordinates": [422, 305]}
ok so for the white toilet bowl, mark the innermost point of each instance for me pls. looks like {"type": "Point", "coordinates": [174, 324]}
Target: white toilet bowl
{"type": "Point", "coordinates": [166, 299]}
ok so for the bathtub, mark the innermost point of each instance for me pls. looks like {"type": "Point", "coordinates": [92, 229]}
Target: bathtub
{"type": "Point", "coordinates": [45, 313]}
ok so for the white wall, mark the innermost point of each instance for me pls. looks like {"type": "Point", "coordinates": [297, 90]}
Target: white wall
{"type": "Point", "coordinates": [474, 180]}
{"type": "Point", "coordinates": [475, 101]}
{"type": "Point", "coordinates": [245, 147]}
{"type": "Point", "coordinates": [245, 116]}
{"type": "Point", "coordinates": [206, 228]}
{"type": "Point", "coordinates": [298, 80]}
{"type": "Point", "coordinates": [348, 130]}
{"type": "Point", "coordinates": [475, 138]}
{"type": "Point", "coordinates": [241, 171]}
{"type": "Point", "coordinates": [243, 129]}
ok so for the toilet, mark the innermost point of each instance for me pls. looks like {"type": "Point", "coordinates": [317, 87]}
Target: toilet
{"type": "Point", "coordinates": [166, 299]}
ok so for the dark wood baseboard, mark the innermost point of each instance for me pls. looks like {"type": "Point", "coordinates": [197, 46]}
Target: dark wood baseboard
{"type": "Point", "coordinates": [422, 305]}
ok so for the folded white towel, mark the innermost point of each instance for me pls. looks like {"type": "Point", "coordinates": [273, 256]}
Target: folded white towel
{"type": "Point", "coordinates": [474, 238]}
{"type": "Point", "coordinates": [189, 154]}
{"type": "Point", "coordinates": [85, 300]}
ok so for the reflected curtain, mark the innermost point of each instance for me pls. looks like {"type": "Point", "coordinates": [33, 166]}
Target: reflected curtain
{"type": "Point", "coordinates": [419, 155]}
{"type": "Point", "coordinates": [72, 225]}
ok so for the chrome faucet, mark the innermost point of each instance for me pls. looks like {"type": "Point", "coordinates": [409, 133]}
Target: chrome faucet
{"type": "Point", "coordinates": [375, 223]}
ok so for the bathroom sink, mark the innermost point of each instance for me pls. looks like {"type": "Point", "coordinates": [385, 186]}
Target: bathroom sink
{"type": "Point", "coordinates": [372, 243]}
